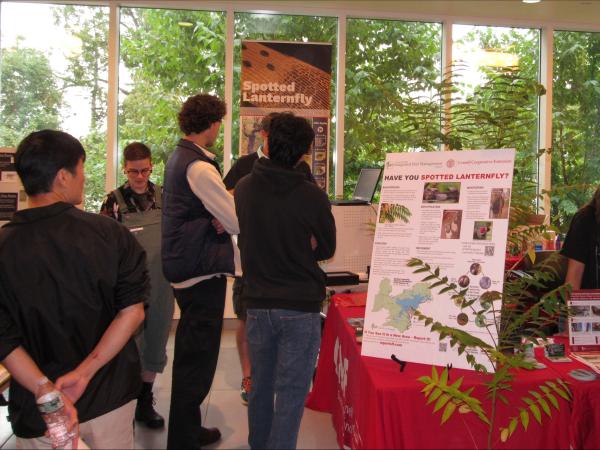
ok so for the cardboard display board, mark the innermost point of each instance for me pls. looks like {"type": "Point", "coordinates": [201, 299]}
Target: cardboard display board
{"type": "Point", "coordinates": [287, 76]}
{"type": "Point", "coordinates": [449, 209]}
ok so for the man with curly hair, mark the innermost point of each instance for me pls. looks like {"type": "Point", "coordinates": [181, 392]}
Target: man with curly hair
{"type": "Point", "coordinates": [198, 219]}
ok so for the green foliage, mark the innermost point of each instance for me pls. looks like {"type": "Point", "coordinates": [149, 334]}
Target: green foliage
{"type": "Point", "coordinates": [576, 128]}
{"type": "Point", "coordinates": [506, 317]}
{"type": "Point", "coordinates": [387, 63]}
{"type": "Point", "coordinates": [167, 62]}
{"type": "Point", "coordinates": [391, 213]}
{"type": "Point", "coordinates": [30, 99]}
{"type": "Point", "coordinates": [542, 399]}
{"type": "Point", "coordinates": [88, 67]}
{"type": "Point", "coordinates": [451, 397]}
{"type": "Point", "coordinates": [95, 169]}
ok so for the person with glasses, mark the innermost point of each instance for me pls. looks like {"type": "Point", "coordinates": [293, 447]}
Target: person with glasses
{"type": "Point", "coordinates": [137, 204]}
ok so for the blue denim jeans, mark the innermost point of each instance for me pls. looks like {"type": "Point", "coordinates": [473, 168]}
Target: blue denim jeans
{"type": "Point", "coordinates": [283, 349]}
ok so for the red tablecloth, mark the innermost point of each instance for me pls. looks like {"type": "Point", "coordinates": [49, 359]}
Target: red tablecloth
{"type": "Point", "coordinates": [374, 405]}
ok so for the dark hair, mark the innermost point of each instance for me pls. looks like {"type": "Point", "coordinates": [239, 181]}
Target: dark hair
{"type": "Point", "coordinates": [594, 203]}
{"type": "Point", "coordinates": [136, 151]}
{"type": "Point", "coordinates": [265, 123]}
{"type": "Point", "coordinates": [289, 138]}
{"type": "Point", "coordinates": [42, 154]}
{"type": "Point", "coordinates": [199, 112]}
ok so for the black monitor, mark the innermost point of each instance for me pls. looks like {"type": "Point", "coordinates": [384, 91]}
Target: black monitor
{"type": "Point", "coordinates": [366, 184]}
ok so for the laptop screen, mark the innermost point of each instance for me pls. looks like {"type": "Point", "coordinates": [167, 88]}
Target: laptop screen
{"type": "Point", "coordinates": [366, 184]}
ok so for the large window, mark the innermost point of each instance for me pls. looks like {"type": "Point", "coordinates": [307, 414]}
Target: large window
{"type": "Point", "coordinates": [496, 94]}
{"type": "Point", "coordinates": [576, 123]}
{"type": "Point", "coordinates": [166, 56]}
{"type": "Point", "coordinates": [391, 70]}
{"type": "Point", "coordinates": [53, 75]}
{"type": "Point", "coordinates": [282, 28]}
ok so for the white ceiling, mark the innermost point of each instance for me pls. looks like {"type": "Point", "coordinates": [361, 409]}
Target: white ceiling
{"type": "Point", "coordinates": [560, 14]}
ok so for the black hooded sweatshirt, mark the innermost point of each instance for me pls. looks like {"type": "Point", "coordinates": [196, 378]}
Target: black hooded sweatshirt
{"type": "Point", "coordinates": [278, 212]}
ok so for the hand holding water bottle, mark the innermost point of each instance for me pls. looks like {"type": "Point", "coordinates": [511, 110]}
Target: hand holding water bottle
{"type": "Point", "coordinates": [58, 413]}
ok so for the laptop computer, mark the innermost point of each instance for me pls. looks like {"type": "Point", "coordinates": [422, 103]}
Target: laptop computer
{"type": "Point", "coordinates": [364, 189]}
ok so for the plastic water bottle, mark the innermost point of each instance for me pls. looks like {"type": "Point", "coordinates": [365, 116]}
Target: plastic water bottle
{"type": "Point", "coordinates": [52, 409]}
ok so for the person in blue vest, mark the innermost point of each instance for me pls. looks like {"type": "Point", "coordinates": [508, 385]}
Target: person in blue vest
{"type": "Point", "coordinates": [137, 204]}
{"type": "Point", "coordinates": [197, 254]}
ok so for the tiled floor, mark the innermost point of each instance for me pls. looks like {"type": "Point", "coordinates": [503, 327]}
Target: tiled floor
{"type": "Point", "coordinates": [223, 408]}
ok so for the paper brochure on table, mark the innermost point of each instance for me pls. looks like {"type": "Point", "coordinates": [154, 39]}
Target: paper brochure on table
{"type": "Point", "coordinates": [449, 209]}
{"type": "Point", "coordinates": [584, 325]}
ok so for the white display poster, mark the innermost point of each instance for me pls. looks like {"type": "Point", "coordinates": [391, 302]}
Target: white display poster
{"type": "Point", "coordinates": [449, 209]}
{"type": "Point", "coordinates": [7, 165]}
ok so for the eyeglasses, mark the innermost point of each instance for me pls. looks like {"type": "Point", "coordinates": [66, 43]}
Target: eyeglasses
{"type": "Point", "coordinates": [135, 172]}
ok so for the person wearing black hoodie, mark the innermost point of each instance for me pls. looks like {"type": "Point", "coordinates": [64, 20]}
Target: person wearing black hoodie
{"type": "Point", "coordinates": [286, 227]}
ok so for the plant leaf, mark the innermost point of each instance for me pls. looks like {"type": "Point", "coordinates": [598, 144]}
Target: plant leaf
{"type": "Point", "coordinates": [464, 409]}
{"type": "Point", "coordinates": [434, 396]}
{"type": "Point", "coordinates": [524, 418]}
{"type": "Point", "coordinates": [536, 413]}
{"type": "Point", "coordinates": [512, 426]}
{"type": "Point", "coordinates": [448, 410]}
{"type": "Point", "coordinates": [441, 402]}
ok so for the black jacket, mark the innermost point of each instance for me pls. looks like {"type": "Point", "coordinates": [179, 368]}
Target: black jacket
{"type": "Point", "coordinates": [243, 166]}
{"type": "Point", "coordinates": [279, 211]}
{"type": "Point", "coordinates": [64, 276]}
{"type": "Point", "coordinates": [190, 245]}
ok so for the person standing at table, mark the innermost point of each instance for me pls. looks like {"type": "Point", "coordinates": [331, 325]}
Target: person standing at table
{"type": "Point", "coordinates": [72, 292]}
{"type": "Point", "coordinates": [241, 168]}
{"type": "Point", "coordinates": [197, 253]}
{"type": "Point", "coordinates": [137, 204]}
{"type": "Point", "coordinates": [582, 246]}
{"type": "Point", "coordinates": [286, 226]}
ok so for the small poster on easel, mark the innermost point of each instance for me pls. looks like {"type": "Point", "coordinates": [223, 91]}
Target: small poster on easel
{"type": "Point", "coordinates": [584, 320]}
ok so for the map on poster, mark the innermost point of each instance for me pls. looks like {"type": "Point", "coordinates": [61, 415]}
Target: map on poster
{"type": "Point", "coordinates": [449, 209]}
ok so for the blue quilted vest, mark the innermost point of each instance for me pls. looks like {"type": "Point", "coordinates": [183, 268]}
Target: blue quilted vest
{"type": "Point", "coordinates": [190, 245]}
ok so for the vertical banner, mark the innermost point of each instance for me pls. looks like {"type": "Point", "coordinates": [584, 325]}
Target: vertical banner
{"type": "Point", "coordinates": [287, 76]}
{"type": "Point", "coordinates": [449, 209]}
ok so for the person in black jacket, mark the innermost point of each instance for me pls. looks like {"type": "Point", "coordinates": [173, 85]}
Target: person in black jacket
{"type": "Point", "coordinates": [72, 291]}
{"type": "Point", "coordinates": [240, 169]}
{"type": "Point", "coordinates": [286, 227]}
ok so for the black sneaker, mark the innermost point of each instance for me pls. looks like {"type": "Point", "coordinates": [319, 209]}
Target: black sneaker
{"type": "Point", "coordinates": [209, 436]}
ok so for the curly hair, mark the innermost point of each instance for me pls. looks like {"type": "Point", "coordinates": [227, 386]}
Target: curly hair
{"type": "Point", "coordinates": [199, 112]}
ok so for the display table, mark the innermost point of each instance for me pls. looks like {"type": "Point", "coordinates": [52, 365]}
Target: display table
{"type": "Point", "coordinates": [374, 405]}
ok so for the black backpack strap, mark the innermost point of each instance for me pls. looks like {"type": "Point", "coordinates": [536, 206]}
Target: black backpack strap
{"type": "Point", "coordinates": [123, 208]}
{"type": "Point", "coordinates": [158, 196]}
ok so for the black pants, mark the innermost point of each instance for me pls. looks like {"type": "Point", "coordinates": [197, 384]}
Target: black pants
{"type": "Point", "coordinates": [197, 342]}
